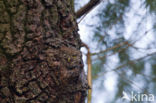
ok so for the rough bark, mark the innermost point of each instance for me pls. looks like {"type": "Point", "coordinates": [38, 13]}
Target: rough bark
{"type": "Point", "coordinates": [40, 58]}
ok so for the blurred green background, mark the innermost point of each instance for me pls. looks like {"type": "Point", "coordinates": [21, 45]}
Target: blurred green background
{"type": "Point", "coordinates": [122, 37]}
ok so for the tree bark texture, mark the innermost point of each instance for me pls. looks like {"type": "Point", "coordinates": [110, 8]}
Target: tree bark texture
{"type": "Point", "coordinates": [40, 58]}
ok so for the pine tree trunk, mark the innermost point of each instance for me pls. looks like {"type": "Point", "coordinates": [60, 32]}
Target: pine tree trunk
{"type": "Point", "coordinates": [40, 58]}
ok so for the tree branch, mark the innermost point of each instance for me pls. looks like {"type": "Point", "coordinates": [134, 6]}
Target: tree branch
{"type": "Point", "coordinates": [89, 74]}
{"type": "Point", "coordinates": [125, 64]}
{"type": "Point", "coordinates": [85, 9]}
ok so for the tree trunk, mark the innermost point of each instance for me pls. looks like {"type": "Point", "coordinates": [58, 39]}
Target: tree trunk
{"type": "Point", "coordinates": [40, 58]}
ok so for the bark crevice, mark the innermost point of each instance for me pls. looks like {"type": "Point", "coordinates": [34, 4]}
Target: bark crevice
{"type": "Point", "coordinates": [40, 53]}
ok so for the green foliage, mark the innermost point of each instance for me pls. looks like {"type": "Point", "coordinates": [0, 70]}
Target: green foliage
{"type": "Point", "coordinates": [154, 69]}
{"type": "Point", "coordinates": [154, 27]}
{"type": "Point", "coordinates": [153, 66]}
{"type": "Point", "coordinates": [137, 67]}
{"type": "Point", "coordinates": [113, 13]}
{"type": "Point", "coordinates": [100, 38]}
{"type": "Point", "coordinates": [123, 56]}
{"type": "Point", "coordinates": [112, 17]}
{"type": "Point", "coordinates": [122, 86]}
{"type": "Point", "coordinates": [151, 4]}
{"type": "Point", "coordinates": [96, 68]}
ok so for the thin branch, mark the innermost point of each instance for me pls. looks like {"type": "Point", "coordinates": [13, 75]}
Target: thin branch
{"type": "Point", "coordinates": [125, 64]}
{"type": "Point", "coordinates": [111, 48]}
{"type": "Point", "coordinates": [130, 81]}
{"type": "Point", "coordinates": [89, 74]}
{"type": "Point", "coordinates": [122, 44]}
{"type": "Point", "coordinates": [120, 50]}
{"type": "Point", "coordinates": [88, 7]}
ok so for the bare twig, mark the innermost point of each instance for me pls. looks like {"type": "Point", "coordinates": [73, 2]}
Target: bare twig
{"type": "Point", "coordinates": [88, 7]}
{"type": "Point", "coordinates": [89, 74]}
{"type": "Point", "coordinates": [111, 48]}
{"type": "Point", "coordinates": [125, 64]}
{"type": "Point", "coordinates": [126, 43]}
{"type": "Point", "coordinates": [131, 82]}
